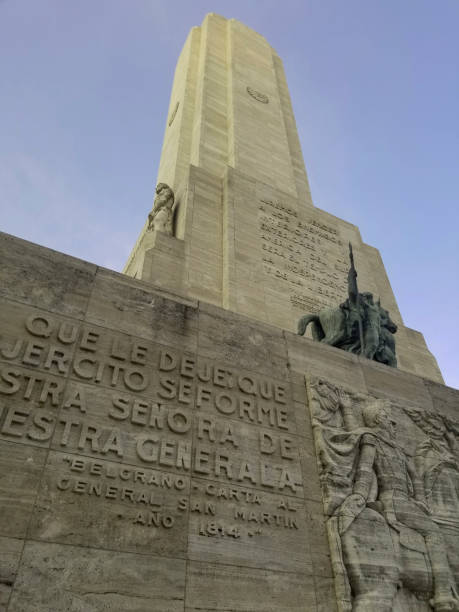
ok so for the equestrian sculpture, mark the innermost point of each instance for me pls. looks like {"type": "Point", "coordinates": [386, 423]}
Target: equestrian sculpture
{"type": "Point", "coordinates": [358, 325]}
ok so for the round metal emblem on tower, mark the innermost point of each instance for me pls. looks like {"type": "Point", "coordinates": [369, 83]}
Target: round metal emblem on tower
{"type": "Point", "coordinates": [257, 95]}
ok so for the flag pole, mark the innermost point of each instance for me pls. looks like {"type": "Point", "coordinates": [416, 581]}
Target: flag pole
{"type": "Point", "coordinates": [354, 296]}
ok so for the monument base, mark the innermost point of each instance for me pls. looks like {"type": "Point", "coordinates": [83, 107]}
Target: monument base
{"type": "Point", "coordinates": [163, 454]}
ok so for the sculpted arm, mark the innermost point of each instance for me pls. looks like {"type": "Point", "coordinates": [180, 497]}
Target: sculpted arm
{"type": "Point", "coordinates": [364, 473]}
{"type": "Point", "coordinates": [356, 502]}
{"type": "Point", "coordinates": [418, 485]}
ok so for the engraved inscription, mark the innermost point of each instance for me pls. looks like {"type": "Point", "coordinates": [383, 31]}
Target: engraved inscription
{"type": "Point", "coordinates": [138, 403]}
{"type": "Point", "coordinates": [305, 255]}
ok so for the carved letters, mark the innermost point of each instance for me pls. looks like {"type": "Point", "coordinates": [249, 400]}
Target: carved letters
{"type": "Point", "coordinates": [130, 423]}
{"type": "Point", "coordinates": [304, 255]}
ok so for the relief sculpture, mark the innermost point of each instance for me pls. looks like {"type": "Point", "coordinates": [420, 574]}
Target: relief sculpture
{"type": "Point", "coordinates": [436, 460]}
{"type": "Point", "coordinates": [390, 512]}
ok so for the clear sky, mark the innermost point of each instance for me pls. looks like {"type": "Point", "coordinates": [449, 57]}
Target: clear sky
{"type": "Point", "coordinates": [84, 94]}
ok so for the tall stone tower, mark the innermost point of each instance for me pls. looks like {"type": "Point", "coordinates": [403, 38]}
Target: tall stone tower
{"type": "Point", "coordinates": [169, 443]}
{"type": "Point", "coordinates": [247, 235]}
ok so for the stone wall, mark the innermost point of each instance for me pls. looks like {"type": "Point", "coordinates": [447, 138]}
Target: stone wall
{"type": "Point", "coordinates": [157, 452]}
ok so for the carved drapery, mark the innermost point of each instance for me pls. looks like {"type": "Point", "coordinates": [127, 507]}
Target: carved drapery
{"type": "Point", "coordinates": [390, 484]}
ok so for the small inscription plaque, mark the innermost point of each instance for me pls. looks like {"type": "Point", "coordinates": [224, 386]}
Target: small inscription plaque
{"type": "Point", "coordinates": [307, 256]}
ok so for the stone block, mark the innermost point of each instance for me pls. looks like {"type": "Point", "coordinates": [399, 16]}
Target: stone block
{"type": "Point", "coordinates": [10, 553]}
{"type": "Point", "coordinates": [248, 528]}
{"type": "Point", "coordinates": [237, 341]}
{"type": "Point", "coordinates": [78, 579]}
{"type": "Point", "coordinates": [261, 458]}
{"type": "Point", "coordinates": [258, 590]}
{"type": "Point", "coordinates": [37, 338]}
{"type": "Point", "coordinates": [134, 308]}
{"type": "Point", "coordinates": [29, 405]}
{"type": "Point", "coordinates": [325, 594]}
{"type": "Point", "coordinates": [445, 399]}
{"type": "Point", "coordinates": [383, 381]}
{"type": "Point", "coordinates": [101, 504]}
{"type": "Point", "coordinates": [245, 396]}
{"type": "Point", "coordinates": [309, 357]}
{"type": "Point", "coordinates": [44, 278]}
{"type": "Point", "coordinates": [125, 426]}
{"type": "Point", "coordinates": [311, 486]}
{"type": "Point", "coordinates": [21, 468]}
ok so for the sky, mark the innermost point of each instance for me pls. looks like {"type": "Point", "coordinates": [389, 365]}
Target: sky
{"type": "Point", "coordinates": [374, 84]}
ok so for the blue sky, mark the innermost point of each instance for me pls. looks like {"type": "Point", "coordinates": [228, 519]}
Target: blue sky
{"type": "Point", "coordinates": [375, 89]}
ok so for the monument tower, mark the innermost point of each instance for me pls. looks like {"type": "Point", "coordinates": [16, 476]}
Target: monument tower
{"type": "Point", "coordinates": [170, 443]}
{"type": "Point", "coordinates": [247, 235]}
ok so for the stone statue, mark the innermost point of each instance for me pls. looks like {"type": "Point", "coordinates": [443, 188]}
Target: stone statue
{"type": "Point", "coordinates": [388, 552]}
{"type": "Point", "coordinates": [358, 325]}
{"type": "Point", "coordinates": [160, 217]}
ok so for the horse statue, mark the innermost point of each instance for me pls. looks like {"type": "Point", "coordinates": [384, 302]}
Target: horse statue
{"type": "Point", "coordinates": [336, 327]}
{"type": "Point", "coordinates": [358, 325]}
{"type": "Point", "coordinates": [385, 352]}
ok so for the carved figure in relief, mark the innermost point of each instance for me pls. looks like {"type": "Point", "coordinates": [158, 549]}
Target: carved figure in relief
{"type": "Point", "coordinates": [381, 532]}
{"type": "Point", "coordinates": [436, 459]}
{"type": "Point", "coordinates": [358, 325]}
{"type": "Point", "coordinates": [161, 215]}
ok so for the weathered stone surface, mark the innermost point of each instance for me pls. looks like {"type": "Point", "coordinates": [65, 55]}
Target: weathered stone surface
{"type": "Point", "coordinates": [251, 528]}
{"type": "Point", "coordinates": [338, 366]}
{"type": "Point", "coordinates": [236, 340]}
{"type": "Point", "coordinates": [391, 499]}
{"type": "Point", "coordinates": [101, 504]}
{"type": "Point", "coordinates": [10, 553]}
{"type": "Point", "coordinates": [56, 577]}
{"type": "Point", "coordinates": [183, 434]}
{"type": "Point", "coordinates": [258, 590]}
{"type": "Point", "coordinates": [158, 428]}
{"type": "Point", "coordinates": [141, 311]}
{"type": "Point", "coordinates": [325, 594]}
{"type": "Point", "coordinates": [52, 281]}
{"type": "Point", "coordinates": [20, 468]}
{"type": "Point", "coordinates": [394, 384]}
{"type": "Point", "coordinates": [444, 399]}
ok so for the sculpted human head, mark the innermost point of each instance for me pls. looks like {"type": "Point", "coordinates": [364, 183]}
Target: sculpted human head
{"type": "Point", "coordinates": [160, 187]}
{"type": "Point", "coordinates": [367, 297]}
{"type": "Point", "coordinates": [377, 415]}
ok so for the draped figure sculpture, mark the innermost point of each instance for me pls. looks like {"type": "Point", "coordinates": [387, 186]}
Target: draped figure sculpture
{"type": "Point", "coordinates": [388, 550]}
{"type": "Point", "coordinates": [161, 216]}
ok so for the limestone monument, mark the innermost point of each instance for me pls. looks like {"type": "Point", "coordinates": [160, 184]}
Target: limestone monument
{"type": "Point", "coordinates": [169, 442]}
